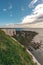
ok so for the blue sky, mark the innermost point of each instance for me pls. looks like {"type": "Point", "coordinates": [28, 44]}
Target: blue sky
{"type": "Point", "coordinates": [12, 11]}
{"type": "Point", "coordinates": [20, 11]}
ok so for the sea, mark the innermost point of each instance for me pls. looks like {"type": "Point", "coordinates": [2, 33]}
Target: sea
{"type": "Point", "coordinates": [39, 52]}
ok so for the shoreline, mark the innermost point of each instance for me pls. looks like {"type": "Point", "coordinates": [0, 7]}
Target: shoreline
{"type": "Point", "coordinates": [33, 57]}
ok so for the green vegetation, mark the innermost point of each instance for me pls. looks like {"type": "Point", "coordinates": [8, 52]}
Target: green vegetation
{"type": "Point", "coordinates": [12, 53]}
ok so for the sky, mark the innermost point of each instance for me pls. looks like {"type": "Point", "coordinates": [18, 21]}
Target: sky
{"type": "Point", "coordinates": [28, 12]}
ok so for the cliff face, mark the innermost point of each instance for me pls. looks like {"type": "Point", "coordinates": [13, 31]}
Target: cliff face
{"type": "Point", "coordinates": [12, 53]}
{"type": "Point", "coordinates": [9, 31]}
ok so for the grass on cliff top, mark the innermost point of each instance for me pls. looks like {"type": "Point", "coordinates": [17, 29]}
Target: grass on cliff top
{"type": "Point", "coordinates": [12, 53]}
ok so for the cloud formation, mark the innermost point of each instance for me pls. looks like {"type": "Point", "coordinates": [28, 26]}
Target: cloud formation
{"type": "Point", "coordinates": [7, 8]}
{"type": "Point", "coordinates": [36, 16]}
{"type": "Point", "coordinates": [10, 6]}
{"type": "Point", "coordinates": [32, 3]}
{"type": "Point", "coordinates": [4, 9]}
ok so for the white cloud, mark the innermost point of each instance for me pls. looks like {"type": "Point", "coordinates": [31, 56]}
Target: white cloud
{"type": "Point", "coordinates": [32, 3]}
{"type": "Point", "coordinates": [36, 25]}
{"type": "Point", "coordinates": [10, 6]}
{"type": "Point", "coordinates": [36, 16]}
{"type": "Point", "coordinates": [29, 19]}
{"type": "Point", "coordinates": [38, 9]}
{"type": "Point", "coordinates": [12, 25]}
{"type": "Point", "coordinates": [4, 9]}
